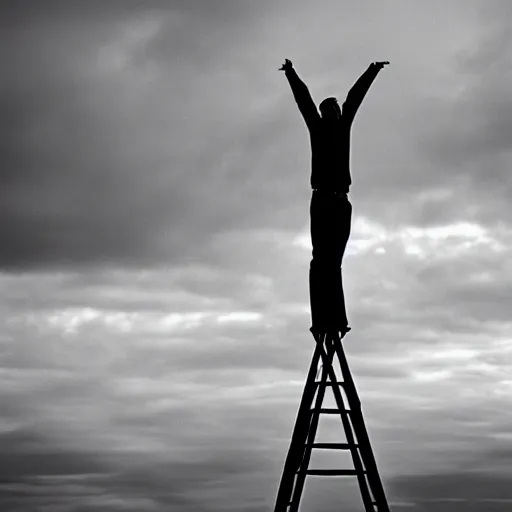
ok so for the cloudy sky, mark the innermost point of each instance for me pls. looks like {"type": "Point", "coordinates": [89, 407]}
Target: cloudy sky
{"type": "Point", "coordinates": [154, 218]}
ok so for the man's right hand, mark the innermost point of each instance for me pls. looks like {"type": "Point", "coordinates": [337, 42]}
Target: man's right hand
{"type": "Point", "coordinates": [287, 65]}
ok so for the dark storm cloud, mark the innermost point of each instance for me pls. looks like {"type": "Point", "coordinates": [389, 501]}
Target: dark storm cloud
{"type": "Point", "coordinates": [38, 473]}
{"type": "Point", "coordinates": [454, 492]}
{"type": "Point", "coordinates": [198, 482]}
{"type": "Point", "coordinates": [99, 160]}
{"type": "Point", "coordinates": [466, 134]}
{"type": "Point", "coordinates": [30, 462]}
{"type": "Point", "coordinates": [27, 453]}
{"type": "Point", "coordinates": [60, 181]}
{"type": "Point", "coordinates": [479, 128]}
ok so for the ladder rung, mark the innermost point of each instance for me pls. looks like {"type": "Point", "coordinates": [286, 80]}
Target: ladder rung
{"type": "Point", "coordinates": [329, 411]}
{"type": "Point", "coordinates": [333, 446]}
{"type": "Point", "coordinates": [339, 383]}
{"type": "Point", "coordinates": [332, 472]}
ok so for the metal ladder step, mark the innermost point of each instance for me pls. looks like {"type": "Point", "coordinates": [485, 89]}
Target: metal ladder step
{"type": "Point", "coordinates": [333, 446]}
{"type": "Point", "coordinates": [330, 411]}
{"type": "Point", "coordinates": [332, 472]}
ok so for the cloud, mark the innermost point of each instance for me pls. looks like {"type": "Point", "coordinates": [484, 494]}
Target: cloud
{"type": "Point", "coordinates": [464, 135]}
{"type": "Point", "coordinates": [154, 218]}
{"type": "Point", "coordinates": [120, 150]}
{"type": "Point", "coordinates": [458, 491]}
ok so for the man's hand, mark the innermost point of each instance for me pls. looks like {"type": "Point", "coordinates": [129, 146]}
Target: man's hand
{"type": "Point", "coordinates": [287, 65]}
{"type": "Point", "coordinates": [382, 63]}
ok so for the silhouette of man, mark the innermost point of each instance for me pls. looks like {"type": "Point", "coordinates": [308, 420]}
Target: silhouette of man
{"type": "Point", "coordinates": [330, 208]}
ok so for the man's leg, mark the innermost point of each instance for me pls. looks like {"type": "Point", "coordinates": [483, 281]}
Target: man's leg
{"type": "Point", "coordinates": [323, 267]}
{"type": "Point", "coordinates": [343, 224]}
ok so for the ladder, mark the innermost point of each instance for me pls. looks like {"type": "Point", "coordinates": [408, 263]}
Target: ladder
{"type": "Point", "coordinates": [296, 466]}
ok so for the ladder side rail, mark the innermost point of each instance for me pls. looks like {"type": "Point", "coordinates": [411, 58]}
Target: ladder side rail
{"type": "Point", "coordinates": [299, 434]}
{"type": "Point", "coordinates": [363, 438]}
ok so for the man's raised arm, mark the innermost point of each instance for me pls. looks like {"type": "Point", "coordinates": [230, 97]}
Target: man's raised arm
{"type": "Point", "coordinates": [358, 91]}
{"type": "Point", "coordinates": [301, 94]}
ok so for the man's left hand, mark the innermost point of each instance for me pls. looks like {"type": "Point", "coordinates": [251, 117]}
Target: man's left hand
{"type": "Point", "coordinates": [287, 65]}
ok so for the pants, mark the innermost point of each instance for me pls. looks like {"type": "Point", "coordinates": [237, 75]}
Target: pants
{"type": "Point", "coordinates": [331, 218]}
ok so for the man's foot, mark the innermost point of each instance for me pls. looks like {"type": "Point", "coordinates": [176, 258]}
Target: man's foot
{"type": "Point", "coordinates": [316, 331]}
{"type": "Point", "coordinates": [343, 333]}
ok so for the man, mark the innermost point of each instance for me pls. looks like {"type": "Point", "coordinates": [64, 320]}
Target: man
{"type": "Point", "coordinates": [330, 209]}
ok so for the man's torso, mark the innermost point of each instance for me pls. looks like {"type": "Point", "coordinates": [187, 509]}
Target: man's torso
{"type": "Point", "coordinates": [330, 159]}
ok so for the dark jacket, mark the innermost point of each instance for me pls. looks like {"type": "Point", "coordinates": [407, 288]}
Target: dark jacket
{"type": "Point", "coordinates": [330, 139]}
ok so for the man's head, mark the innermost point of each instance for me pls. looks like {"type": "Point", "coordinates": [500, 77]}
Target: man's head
{"type": "Point", "coordinates": [329, 109]}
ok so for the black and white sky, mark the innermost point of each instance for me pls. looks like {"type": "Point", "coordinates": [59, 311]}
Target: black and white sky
{"type": "Point", "coordinates": [154, 226]}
